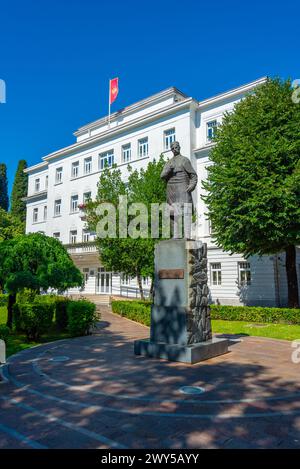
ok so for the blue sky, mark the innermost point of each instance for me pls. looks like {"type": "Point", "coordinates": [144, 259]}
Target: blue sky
{"type": "Point", "coordinates": [57, 56]}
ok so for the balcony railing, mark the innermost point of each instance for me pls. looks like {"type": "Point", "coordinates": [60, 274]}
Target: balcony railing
{"type": "Point", "coordinates": [79, 248]}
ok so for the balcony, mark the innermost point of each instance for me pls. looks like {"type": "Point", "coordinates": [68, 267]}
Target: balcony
{"type": "Point", "coordinates": [83, 253]}
{"type": "Point", "coordinates": [79, 248]}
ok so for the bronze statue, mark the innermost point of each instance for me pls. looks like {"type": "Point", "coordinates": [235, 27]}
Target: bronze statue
{"type": "Point", "coordinates": [181, 181]}
{"type": "Point", "coordinates": [180, 176]}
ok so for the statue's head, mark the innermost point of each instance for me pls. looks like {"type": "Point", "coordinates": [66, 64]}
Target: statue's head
{"type": "Point", "coordinates": [175, 148]}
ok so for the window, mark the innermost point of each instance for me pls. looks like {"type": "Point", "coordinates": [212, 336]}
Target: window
{"type": "Point", "coordinates": [86, 274]}
{"type": "Point", "coordinates": [35, 215]}
{"type": "Point", "coordinates": [106, 159]}
{"type": "Point", "coordinates": [74, 203]}
{"type": "Point", "coordinates": [125, 279]}
{"type": "Point", "coordinates": [143, 147]}
{"type": "Point", "coordinates": [88, 165]}
{"type": "Point", "coordinates": [56, 235]}
{"type": "Point", "coordinates": [169, 137]}
{"type": "Point", "coordinates": [215, 273]}
{"type": "Point", "coordinates": [73, 236]}
{"type": "Point", "coordinates": [45, 212]}
{"type": "Point", "coordinates": [58, 175]}
{"type": "Point", "coordinates": [126, 153]}
{"type": "Point", "coordinates": [75, 169]}
{"type": "Point", "coordinates": [244, 273]}
{"type": "Point", "coordinates": [211, 129]}
{"type": "Point", "coordinates": [47, 182]}
{"type": "Point", "coordinates": [210, 227]}
{"type": "Point", "coordinates": [57, 208]}
{"type": "Point", "coordinates": [87, 197]}
{"type": "Point", "coordinates": [85, 236]}
{"type": "Point", "coordinates": [37, 185]}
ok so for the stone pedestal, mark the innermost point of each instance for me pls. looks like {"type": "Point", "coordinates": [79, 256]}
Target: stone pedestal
{"type": "Point", "coordinates": [180, 314]}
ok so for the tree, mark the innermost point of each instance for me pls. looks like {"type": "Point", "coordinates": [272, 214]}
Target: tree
{"type": "Point", "coordinates": [36, 262]}
{"type": "Point", "coordinates": [131, 256]}
{"type": "Point", "coordinates": [10, 226]}
{"type": "Point", "coordinates": [3, 187]}
{"type": "Point", "coordinates": [253, 185]}
{"type": "Point", "coordinates": [19, 191]}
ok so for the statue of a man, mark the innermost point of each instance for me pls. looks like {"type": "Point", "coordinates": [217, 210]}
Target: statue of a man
{"type": "Point", "coordinates": [180, 176]}
{"type": "Point", "coordinates": [181, 181]}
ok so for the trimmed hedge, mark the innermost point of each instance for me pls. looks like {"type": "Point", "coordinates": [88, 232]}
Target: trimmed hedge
{"type": "Point", "coordinates": [141, 312]}
{"type": "Point", "coordinates": [61, 313]}
{"type": "Point", "coordinates": [138, 311]}
{"type": "Point", "coordinates": [4, 332]}
{"type": "Point", "coordinates": [35, 318]}
{"type": "Point", "coordinates": [81, 317]}
{"type": "Point", "coordinates": [255, 314]}
{"type": "Point", "coordinates": [3, 299]}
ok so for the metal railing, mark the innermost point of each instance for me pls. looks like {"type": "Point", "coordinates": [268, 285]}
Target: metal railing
{"type": "Point", "coordinates": [133, 292]}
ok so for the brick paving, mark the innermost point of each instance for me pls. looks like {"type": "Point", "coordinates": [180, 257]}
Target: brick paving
{"type": "Point", "coordinates": [92, 392]}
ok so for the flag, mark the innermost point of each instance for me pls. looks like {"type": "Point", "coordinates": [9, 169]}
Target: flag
{"type": "Point", "coordinates": [113, 89]}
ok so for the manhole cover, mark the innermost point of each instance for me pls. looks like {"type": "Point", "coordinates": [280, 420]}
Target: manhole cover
{"type": "Point", "coordinates": [62, 358]}
{"type": "Point", "coordinates": [192, 390]}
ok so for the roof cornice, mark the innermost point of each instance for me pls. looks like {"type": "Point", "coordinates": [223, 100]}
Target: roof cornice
{"type": "Point", "coordinates": [115, 130]}
{"type": "Point", "coordinates": [234, 92]}
{"type": "Point", "coordinates": [129, 109]}
{"type": "Point", "coordinates": [41, 165]}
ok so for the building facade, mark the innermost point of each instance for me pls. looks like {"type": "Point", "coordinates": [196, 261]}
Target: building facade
{"type": "Point", "coordinates": [67, 178]}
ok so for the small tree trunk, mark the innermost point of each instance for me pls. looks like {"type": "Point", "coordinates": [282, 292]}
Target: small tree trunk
{"type": "Point", "coordinates": [139, 279]}
{"type": "Point", "coordinates": [152, 290]}
{"type": "Point", "coordinates": [11, 301]}
{"type": "Point", "coordinates": [292, 280]}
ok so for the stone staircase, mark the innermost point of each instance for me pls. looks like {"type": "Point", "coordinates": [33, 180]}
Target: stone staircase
{"type": "Point", "coordinates": [99, 299]}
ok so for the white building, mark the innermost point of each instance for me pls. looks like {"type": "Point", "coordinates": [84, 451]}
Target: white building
{"type": "Point", "coordinates": [137, 134]}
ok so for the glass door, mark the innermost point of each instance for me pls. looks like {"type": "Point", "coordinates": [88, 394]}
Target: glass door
{"type": "Point", "coordinates": [103, 281]}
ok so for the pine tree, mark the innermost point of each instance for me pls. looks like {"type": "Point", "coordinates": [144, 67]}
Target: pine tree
{"type": "Point", "coordinates": [19, 190]}
{"type": "Point", "coordinates": [3, 187]}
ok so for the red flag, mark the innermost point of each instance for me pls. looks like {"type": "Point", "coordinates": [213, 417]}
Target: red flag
{"type": "Point", "coordinates": [113, 89]}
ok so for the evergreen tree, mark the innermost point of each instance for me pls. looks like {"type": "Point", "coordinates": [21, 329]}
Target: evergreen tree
{"type": "Point", "coordinates": [19, 190]}
{"type": "Point", "coordinates": [3, 187]}
{"type": "Point", "coordinates": [253, 185]}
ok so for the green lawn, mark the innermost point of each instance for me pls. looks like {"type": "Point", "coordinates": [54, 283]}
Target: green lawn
{"type": "Point", "coordinates": [274, 331]}
{"type": "Point", "coordinates": [18, 342]}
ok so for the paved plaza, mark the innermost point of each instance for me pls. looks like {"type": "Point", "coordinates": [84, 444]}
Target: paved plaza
{"type": "Point", "coordinates": [92, 392]}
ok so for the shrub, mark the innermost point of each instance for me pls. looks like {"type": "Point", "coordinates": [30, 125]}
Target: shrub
{"type": "Point", "coordinates": [26, 296]}
{"type": "Point", "coordinates": [4, 332]}
{"type": "Point", "coordinates": [61, 313]}
{"type": "Point", "coordinates": [255, 314]}
{"type": "Point", "coordinates": [3, 299]}
{"type": "Point", "coordinates": [81, 317]}
{"type": "Point", "coordinates": [35, 318]}
{"type": "Point", "coordinates": [139, 311]}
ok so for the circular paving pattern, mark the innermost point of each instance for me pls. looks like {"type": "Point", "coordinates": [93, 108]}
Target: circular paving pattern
{"type": "Point", "coordinates": [92, 392]}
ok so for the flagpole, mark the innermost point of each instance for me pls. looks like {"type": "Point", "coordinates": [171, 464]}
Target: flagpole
{"type": "Point", "coordinates": [109, 105]}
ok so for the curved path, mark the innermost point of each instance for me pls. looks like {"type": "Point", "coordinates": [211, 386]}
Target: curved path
{"type": "Point", "coordinates": [92, 392]}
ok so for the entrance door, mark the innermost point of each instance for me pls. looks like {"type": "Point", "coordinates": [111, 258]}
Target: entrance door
{"type": "Point", "coordinates": [103, 281]}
